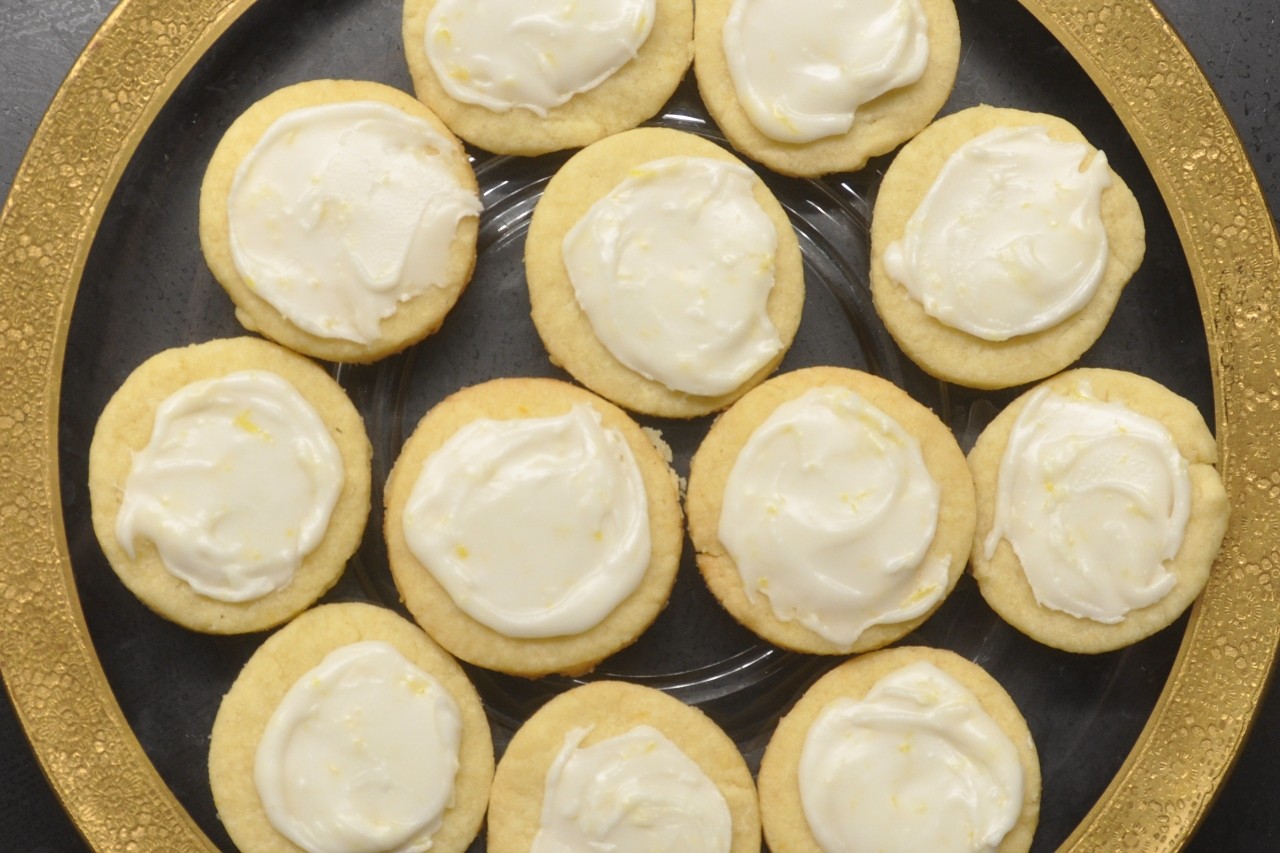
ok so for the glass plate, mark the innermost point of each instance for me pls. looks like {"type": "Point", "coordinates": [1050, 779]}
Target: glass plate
{"type": "Point", "coordinates": [145, 287]}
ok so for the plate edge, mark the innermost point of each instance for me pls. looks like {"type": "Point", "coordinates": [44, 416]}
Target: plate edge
{"type": "Point", "coordinates": [125, 75]}
{"type": "Point", "coordinates": [56, 203]}
{"type": "Point", "coordinates": [1159, 92]}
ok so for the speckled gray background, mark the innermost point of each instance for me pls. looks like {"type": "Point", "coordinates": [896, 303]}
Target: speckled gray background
{"type": "Point", "coordinates": [1238, 43]}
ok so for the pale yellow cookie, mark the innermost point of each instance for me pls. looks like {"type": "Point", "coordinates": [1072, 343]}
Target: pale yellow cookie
{"type": "Point", "coordinates": [1000, 576]}
{"type": "Point", "coordinates": [621, 101]}
{"type": "Point", "coordinates": [565, 328]}
{"type": "Point", "coordinates": [291, 653]}
{"type": "Point", "coordinates": [955, 355]}
{"type": "Point", "coordinates": [415, 318]}
{"type": "Point", "coordinates": [785, 824]}
{"type": "Point", "coordinates": [470, 639]}
{"type": "Point", "coordinates": [717, 455]}
{"type": "Point", "coordinates": [125, 428]}
{"type": "Point", "coordinates": [878, 127]}
{"type": "Point", "coordinates": [609, 709]}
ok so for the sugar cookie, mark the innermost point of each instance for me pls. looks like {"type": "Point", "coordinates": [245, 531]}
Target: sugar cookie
{"type": "Point", "coordinates": [1118, 468]}
{"type": "Point", "coordinates": [516, 77]}
{"type": "Point", "coordinates": [831, 513]}
{"type": "Point", "coordinates": [230, 484]}
{"type": "Point", "coordinates": [698, 796]}
{"type": "Point", "coordinates": [662, 273]}
{"type": "Point", "coordinates": [1007, 293]}
{"type": "Point", "coordinates": [872, 734]}
{"type": "Point", "coordinates": [278, 741]}
{"type": "Point", "coordinates": [532, 527]}
{"type": "Point", "coordinates": [806, 116]}
{"type": "Point", "coordinates": [341, 217]}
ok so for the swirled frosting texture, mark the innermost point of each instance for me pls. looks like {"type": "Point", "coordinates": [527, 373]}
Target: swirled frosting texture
{"type": "Point", "coordinates": [342, 211]}
{"type": "Point", "coordinates": [235, 486]}
{"type": "Point", "coordinates": [802, 72]}
{"type": "Point", "coordinates": [360, 755]}
{"type": "Point", "coordinates": [531, 54]}
{"type": "Point", "coordinates": [829, 511]}
{"type": "Point", "coordinates": [673, 268]}
{"type": "Point", "coordinates": [917, 764]}
{"type": "Point", "coordinates": [634, 792]}
{"type": "Point", "coordinates": [536, 527]}
{"type": "Point", "coordinates": [1009, 240]}
{"type": "Point", "coordinates": [1093, 497]}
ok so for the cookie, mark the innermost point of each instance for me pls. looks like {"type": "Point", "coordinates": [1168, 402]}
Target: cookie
{"type": "Point", "coordinates": [780, 85]}
{"type": "Point", "coordinates": [1016, 279]}
{"type": "Point", "coordinates": [689, 790]}
{"type": "Point", "coordinates": [1121, 471]}
{"type": "Point", "coordinates": [350, 723]}
{"type": "Point", "coordinates": [532, 527]}
{"type": "Point", "coordinates": [662, 273]}
{"type": "Point", "coordinates": [876, 775]}
{"type": "Point", "coordinates": [193, 506]}
{"type": "Point", "coordinates": [527, 79]}
{"type": "Point", "coordinates": [341, 217]}
{"type": "Point", "coordinates": [831, 513]}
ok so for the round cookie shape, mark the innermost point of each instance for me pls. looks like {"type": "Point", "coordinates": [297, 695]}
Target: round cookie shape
{"type": "Point", "coordinates": [298, 649]}
{"type": "Point", "coordinates": [622, 100]}
{"type": "Point", "coordinates": [565, 327]}
{"type": "Point", "coordinates": [948, 352]}
{"type": "Point", "coordinates": [998, 570]}
{"type": "Point", "coordinates": [608, 709]}
{"type": "Point", "coordinates": [125, 428]}
{"type": "Point", "coordinates": [786, 826]}
{"type": "Point", "coordinates": [714, 463]}
{"type": "Point", "coordinates": [507, 400]}
{"type": "Point", "coordinates": [879, 125]}
{"type": "Point", "coordinates": [384, 261]}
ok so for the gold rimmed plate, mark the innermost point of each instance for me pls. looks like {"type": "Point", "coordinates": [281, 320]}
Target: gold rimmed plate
{"type": "Point", "coordinates": [102, 266]}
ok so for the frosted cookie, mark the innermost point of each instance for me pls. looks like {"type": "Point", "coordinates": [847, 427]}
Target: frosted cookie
{"type": "Point", "coordinates": [831, 513]}
{"type": "Point", "coordinates": [229, 483]}
{"type": "Point", "coordinates": [349, 729]}
{"type": "Point", "coordinates": [823, 88]}
{"type": "Point", "coordinates": [662, 273]}
{"type": "Point", "coordinates": [617, 766]}
{"type": "Point", "coordinates": [341, 218]}
{"type": "Point", "coordinates": [1100, 511]}
{"type": "Point", "coordinates": [532, 527]}
{"type": "Point", "coordinates": [532, 76]}
{"type": "Point", "coordinates": [1000, 244]}
{"type": "Point", "coordinates": [904, 749]}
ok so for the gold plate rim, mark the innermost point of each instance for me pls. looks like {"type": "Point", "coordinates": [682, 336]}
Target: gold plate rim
{"type": "Point", "coordinates": [146, 48]}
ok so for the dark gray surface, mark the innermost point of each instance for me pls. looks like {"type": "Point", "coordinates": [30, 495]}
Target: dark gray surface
{"type": "Point", "coordinates": [1235, 40]}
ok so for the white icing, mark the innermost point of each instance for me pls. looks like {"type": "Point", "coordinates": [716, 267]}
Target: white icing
{"type": "Point", "coordinates": [536, 527]}
{"type": "Point", "coordinates": [674, 268]}
{"type": "Point", "coordinates": [631, 793]}
{"type": "Point", "coordinates": [1094, 498]}
{"type": "Point", "coordinates": [361, 754]}
{"type": "Point", "coordinates": [235, 486]}
{"type": "Point", "coordinates": [828, 512]}
{"type": "Point", "coordinates": [801, 71]}
{"type": "Point", "coordinates": [531, 54]}
{"type": "Point", "coordinates": [341, 212]}
{"type": "Point", "coordinates": [1009, 240]}
{"type": "Point", "coordinates": [917, 764]}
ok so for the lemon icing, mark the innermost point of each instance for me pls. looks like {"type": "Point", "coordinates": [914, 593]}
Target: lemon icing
{"type": "Point", "coordinates": [341, 212]}
{"type": "Point", "coordinates": [828, 513]}
{"type": "Point", "coordinates": [1009, 240]}
{"type": "Point", "coordinates": [673, 269]}
{"type": "Point", "coordinates": [235, 486]}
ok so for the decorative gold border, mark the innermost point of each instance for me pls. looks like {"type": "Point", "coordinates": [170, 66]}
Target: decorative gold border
{"type": "Point", "coordinates": [1193, 736]}
{"type": "Point", "coordinates": [133, 65]}
{"type": "Point", "coordinates": [114, 91]}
